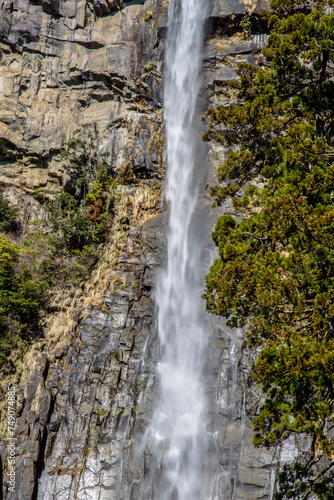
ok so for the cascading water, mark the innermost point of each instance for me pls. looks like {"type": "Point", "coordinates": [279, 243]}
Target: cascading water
{"type": "Point", "coordinates": [178, 418]}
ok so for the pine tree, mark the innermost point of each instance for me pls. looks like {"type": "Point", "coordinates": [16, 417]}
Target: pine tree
{"type": "Point", "coordinates": [275, 271]}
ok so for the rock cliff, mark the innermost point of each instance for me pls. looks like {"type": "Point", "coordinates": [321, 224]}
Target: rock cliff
{"type": "Point", "coordinates": [85, 392]}
{"type": "Point", "coordinates": [69, 65]}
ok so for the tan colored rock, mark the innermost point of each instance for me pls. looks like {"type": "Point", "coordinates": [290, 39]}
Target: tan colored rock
{"type": "Point", "coordinates": [36, 178]}
{"type": "Point", "coordinates": [63, 74]}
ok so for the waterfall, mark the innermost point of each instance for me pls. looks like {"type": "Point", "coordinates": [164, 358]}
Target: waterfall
{"type": "Point", "coordinates": [178, 417]}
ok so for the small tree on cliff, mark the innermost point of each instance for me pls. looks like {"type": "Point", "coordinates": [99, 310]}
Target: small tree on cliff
{"type": "Point", "coordinates": [275, 271]}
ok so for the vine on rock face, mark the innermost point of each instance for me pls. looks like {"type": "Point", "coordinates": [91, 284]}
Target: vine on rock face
{"type": "Point", "coordinates": [275, 271]}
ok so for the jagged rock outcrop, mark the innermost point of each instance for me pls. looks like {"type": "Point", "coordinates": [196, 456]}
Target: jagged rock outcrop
{"type": "Point", "coordinates": [85, 393]}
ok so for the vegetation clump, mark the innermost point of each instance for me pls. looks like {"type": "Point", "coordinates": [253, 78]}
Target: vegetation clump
{"type": "Point", "coordinates": [57, 253]}
{"type": "Point", "coordinates": [8, 216]}
{"type": "Point", "coordinates": [275, 271]}
{"type": "Point", "coordinates": [19, 299]}
{"type": "Point", "coordinates": [246, 26]}
{"type": "Point", "coordinates": [79, 217]}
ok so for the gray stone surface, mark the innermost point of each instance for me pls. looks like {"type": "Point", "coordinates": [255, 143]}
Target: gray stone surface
{"type": "Point", "coordinates": [95, 405]}
{"type": "Point", "coordinates": [221, 8]}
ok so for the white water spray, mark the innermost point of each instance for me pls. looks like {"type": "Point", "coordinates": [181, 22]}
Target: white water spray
{"type": "Point", "coordinates": [178, 420]}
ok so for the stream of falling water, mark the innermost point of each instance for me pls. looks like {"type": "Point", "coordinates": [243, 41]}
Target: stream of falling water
{"type": "Point", "coordinates": [178, 418]}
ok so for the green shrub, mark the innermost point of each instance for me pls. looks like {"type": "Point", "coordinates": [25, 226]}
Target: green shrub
{"type": "Point", "coordinates": [18, 290]}
{"type": "Point", "coordinates": [72, 227]}
{"type": "Point", "coordinates": [19, 299]}
{"type": "Point", "coordinates": [8, 216]}
{"type": "Point", "coordinates": [246, 26]}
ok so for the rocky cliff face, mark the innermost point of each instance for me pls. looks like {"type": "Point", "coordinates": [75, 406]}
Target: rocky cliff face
{"type": "Point", "coordinates": [63, 67]}
{"type": "Point", "coordinates": [85, 392]}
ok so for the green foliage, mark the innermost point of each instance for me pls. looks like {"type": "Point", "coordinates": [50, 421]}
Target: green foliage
{"type": "Point", "coordinates": [17, 290]}
{"type": "Point", "coordinates": [296, 481]}
{"type": "Point", "coordinates": [8, 216]}
{"type": "Point", "coordinates": [71, 229]}
{"type": "Point", "coordinates": [79, 224]}
{"type": "Point", "coordinates": [53, 254]}
{"type": "Point", "coordinates": [148, 15]}
{"type": "Point", "coordinates": [275, 271]}
{"type": "Point", "coordinates": [246, 26]}
{"type": "Point", "coordinates": [95, 192]}
{"type": "Point", "coordinates": [82, 162]}
{"type": "Point", "coordinates": [74, 227]}
{"type": "Point", "coordinates": [38, 251]}
{"type": "Point", "coordinates": [19, 299]}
